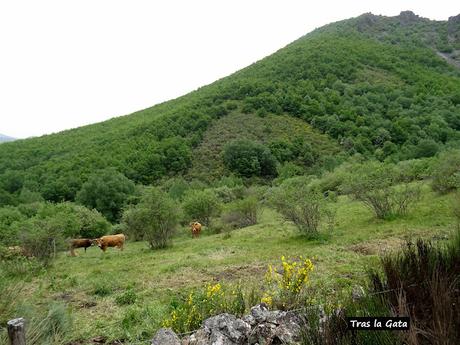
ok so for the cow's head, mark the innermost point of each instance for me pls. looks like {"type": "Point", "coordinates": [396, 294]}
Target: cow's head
{"type": "Point", "coordinates": [96, 242]}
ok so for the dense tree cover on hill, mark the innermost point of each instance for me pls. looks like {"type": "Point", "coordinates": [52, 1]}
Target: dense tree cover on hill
{"type": "Point", "coordinates": [373, 84]}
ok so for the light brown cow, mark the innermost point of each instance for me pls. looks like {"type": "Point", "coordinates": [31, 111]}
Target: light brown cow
{"type": "Point", "coordinates": [196, 229]}
{"type": "Point", "coordinates": [110, 241]}
{"type": "Point", "coordinates": [79, 243]}
{"type": "Point", "coordinates": [19, 251]}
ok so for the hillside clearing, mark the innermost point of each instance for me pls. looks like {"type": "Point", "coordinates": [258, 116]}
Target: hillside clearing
{"type": "Point", "coordinates": [90, 283]}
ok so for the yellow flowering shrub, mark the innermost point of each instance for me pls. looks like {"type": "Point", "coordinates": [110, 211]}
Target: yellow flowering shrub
{"type": "Point", "coordinates": [281, 290]}
{"type": "Point", "coordinates": [286, 287]}
{"type": "Point", "coordinates": [188, 314]}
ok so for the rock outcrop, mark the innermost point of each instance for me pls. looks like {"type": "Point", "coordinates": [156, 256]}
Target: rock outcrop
{"type": "Point", "coordinates": [166, 336]}
{"type": "Point", "coordinates": [262, 327]}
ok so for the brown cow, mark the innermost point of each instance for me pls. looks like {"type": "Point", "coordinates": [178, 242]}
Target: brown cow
{"type": "Point", "coordinates": [79, 243]}
{"type": "Point", "coordinates": [110, 241]}
{"type": "Point", "coordinates": [196, 229]}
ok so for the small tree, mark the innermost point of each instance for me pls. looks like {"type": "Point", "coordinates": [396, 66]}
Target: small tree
{"type": "Point", "coordinates": [107, 192]}
{"type": "Point", "coordinates": [373, 184]}
{"type": "Point", "coordinates": [154, 218]}
{"type": "Point", "coordinates": [201, 205]}
{"type": "Point", "coordinates": [302, 204]}
{"type": "Point", "coordinates": [446, 175]}
{"type": "Point", "coordinates": [247, 158]}
{"type": "Point", "coordinates": [242, 213]}
{"type": "Point", "coordinates": [92, 223]}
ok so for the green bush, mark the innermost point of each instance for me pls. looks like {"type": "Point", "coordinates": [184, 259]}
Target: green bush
{"type": "Point", "coordinates": [154, 218]}
{"type": "Point", "coordinates": [446, 175]}
{"type": "Point", "coordinates": [8, 216]}
{"type": "Point", "coordinates": [242, 213]}
{"type": "Point", "coordinates": [414, 169]}
{"type": "Point", "coordinates": [303, 204]}
{"type": "Point", "coordinates": [201, 205]}
{"type": "Point", "coordinates": [373, 183]}
{"type": "Point", "coordinates": [247, 158]}
{"type": "Point", "coordinates": [106, 191]}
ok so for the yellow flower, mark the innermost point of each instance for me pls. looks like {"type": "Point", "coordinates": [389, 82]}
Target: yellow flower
{"type": "Point", "coordinates": [267, 299]}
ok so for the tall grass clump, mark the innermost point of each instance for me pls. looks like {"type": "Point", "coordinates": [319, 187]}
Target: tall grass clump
{"type": "Point", "coordinates": [423, 282]}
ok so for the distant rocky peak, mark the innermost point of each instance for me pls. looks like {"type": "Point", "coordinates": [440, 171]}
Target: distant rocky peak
{"type": "Point", "coordinates": [453, 28]}
{"type": "Point", "coordinates": [408, 17]}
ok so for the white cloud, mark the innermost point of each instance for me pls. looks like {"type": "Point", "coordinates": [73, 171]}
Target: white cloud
{"type": "Point", "coordinates": [64, 64]}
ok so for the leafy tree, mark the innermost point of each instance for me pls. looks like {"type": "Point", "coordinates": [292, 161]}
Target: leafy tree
{"type": "Point", "coordinates": [373, 183]}
{"type": "Point", "coordinates": [303, 204]}
{"type": "Point", "coordinates": [248, 158]}
{"type": "Point", "coordinates": [91, 223]}
{"type": "Point", "coordinates": [201, 205]}
{"type": "Point", "coordinates": [426, 148]}
{"type": "Point", "coordinates": [154, 218]}
{"type": "Point", "coordinates": [446, 174]}
{"type": "Point", "coordinates": [106, 191]}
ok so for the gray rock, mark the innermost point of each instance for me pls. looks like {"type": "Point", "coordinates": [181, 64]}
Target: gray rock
{"type": "Point", "coordinates": [260, 327]}
{"type": "Point", "coordinates": [260, 312]}
{"type": "Point", "coordinates": [166, 336]}
{"type": "Point", "coordinates": [357, 293]}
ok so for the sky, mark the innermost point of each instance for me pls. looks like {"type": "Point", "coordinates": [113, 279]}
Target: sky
{"type": "Point", "coordinates": [64, 64]}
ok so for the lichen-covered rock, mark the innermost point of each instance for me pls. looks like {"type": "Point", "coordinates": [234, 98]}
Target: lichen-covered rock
{"type": "Point", "coordinates": [261, 327]}
{"type": "Point", "coordinates": [166, 336]}
{"type": "Point", "coordinates": [223, 329]}
{"type": "Point", "coordinates": [275, 327]}
{"type": "Point", "coordinates": [357, 293]}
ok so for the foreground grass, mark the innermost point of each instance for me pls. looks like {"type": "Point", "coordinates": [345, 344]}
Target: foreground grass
{"type": "Point", "coordinates": [93, 285]}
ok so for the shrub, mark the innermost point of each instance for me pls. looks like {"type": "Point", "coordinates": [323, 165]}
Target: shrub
{"type": "Point", "coordinates": [302, 204]}
{"type": "Point", "coordinates": [225, 194]}
{"type": "Point", "coordinates": [8, 216]}
{"type": "Point", "coordinates": [188, 314]}
{"type": "Point", "coordinates": [446, 175]}
{"type": "Point", "coordinates": [242, 213]}
{"type": "Point", "coordinates": [91, 223]}
{"type": "Point", "coordinates": [201, 205]}
{"type": "Point", "coordinates": [287, 286]}
{"type": "Point", "coordinates": [372, 184]}
{"type": "Point", "coordinates": [176, 187]}
{"type": "Point", "coordinates": [41, 239]}
{"type": "Point", "coordinates": [247, 158]}
{"type": "Point", "coordinates": [414, 170]}
{"type": "Point", "coordinates": [154, 218]}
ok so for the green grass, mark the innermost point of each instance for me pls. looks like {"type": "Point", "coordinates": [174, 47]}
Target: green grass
{"type": "Point", "coordinates": [94, 285]}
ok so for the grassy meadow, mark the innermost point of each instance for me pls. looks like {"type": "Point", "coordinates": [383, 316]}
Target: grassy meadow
{"type": "Point", "coordinates": [126, 294]}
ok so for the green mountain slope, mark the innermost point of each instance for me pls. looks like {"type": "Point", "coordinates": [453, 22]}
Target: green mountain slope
{"type": "Point", "coordinates": [372, 85]}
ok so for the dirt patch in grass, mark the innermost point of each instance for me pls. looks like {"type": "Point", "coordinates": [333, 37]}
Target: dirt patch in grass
{"type": "Point", "coordinates": [377, 247]}
{"type": "Point", "coordinates": [238, 272]}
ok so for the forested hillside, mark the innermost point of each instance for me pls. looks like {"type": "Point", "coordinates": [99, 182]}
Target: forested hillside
{"type": "Point", "coordinates": [371, 85]}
